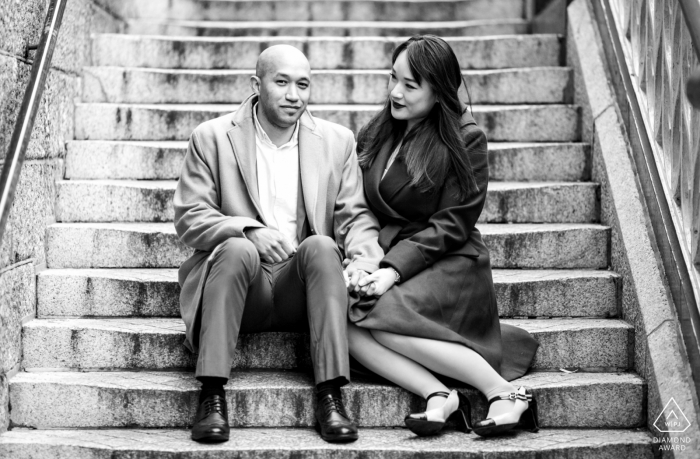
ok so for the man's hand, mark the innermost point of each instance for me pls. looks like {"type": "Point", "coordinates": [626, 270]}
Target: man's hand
{"type": "Point", "coordinates": [352, 279]}
{"type": "Point", "coordinates": [272, 245]}
{"type": "Point", "coordinates": [378, 282]}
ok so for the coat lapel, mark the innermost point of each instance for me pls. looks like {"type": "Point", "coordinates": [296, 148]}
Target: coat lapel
{"type": "Point", "coordinates": [373, 178]}
{"type": "Point", "coordinates": [242, 138]}
{"type": "Point", "coordinates": [312, 165]}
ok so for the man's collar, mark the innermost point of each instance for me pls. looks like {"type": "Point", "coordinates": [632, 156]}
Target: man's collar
{"type": "Point", "coordinates": [262, 135]}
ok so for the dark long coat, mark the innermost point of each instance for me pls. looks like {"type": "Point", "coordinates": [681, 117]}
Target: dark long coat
{"type": "Point", "coordinates": [446, 290]}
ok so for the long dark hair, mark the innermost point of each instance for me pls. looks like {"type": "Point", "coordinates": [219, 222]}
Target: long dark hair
{"type": "Point", "coordinates": [433, 149]}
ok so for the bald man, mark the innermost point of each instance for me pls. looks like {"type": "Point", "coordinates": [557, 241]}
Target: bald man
{"type": "Point", "coordinates": [271, 199]}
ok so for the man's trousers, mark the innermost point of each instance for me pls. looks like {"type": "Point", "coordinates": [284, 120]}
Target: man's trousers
{"type": "Point", "coordinates": [304, 293]}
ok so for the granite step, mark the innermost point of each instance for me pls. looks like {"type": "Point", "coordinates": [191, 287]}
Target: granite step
{"type": "Point", "coordinates": [322, 10]}
{"type": "Point", "coordinates": [323, 52]}
{"type": "Point", "coordinates": [501, 123]}
{"type": "Point", "coordinates": [364, 28]}
{"type": "Point", "coordinates": [156, 343]}
{"type": "Point", "coordinates": [152, 201]}
{"type": "Point", "coordinates": [125, 160]}
{"type": "Point", "coordinates": [536, 85]}
{"type": "Point", "coordinates": [156, 292]}
{"type": "Point", "coordinates": [296, 443]}
{"type": "Point", "coordinates": [156, 245]}
{"type": "Point", "coordinates": [286, 399]}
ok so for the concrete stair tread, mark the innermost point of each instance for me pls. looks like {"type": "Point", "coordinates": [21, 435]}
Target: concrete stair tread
{"type": "Point", "coordinates": [156, 245]}
{"type": "Point", "coordinates": [124, 292]}
{"type": "Point", "coordinates": [156, 343]}
{"type": "Point", "coordinates": [252, 394]}
{"type": "Point", "coordinates": [323, 52]}
{"type": "Point", "coordinates": [172, 184]}
{"type": "Point", "coordinates": [390, 10]}
{"type": "Point", "coordinates": [251, 71]}
{"type": "Point", "coordinates": [373, 444]}
{"type": "Point", "coordinates": [259, 380]}
{"type": "Point", "coordinates": [482, 27]}
{"type": "Point", "coordinates": [331, 24]}
{"type": "Point", "coordinates": [151, 200]}
{"type": "Point", "coordinates": [177, 326]}
{"type": "Point", "coordinates": [539, 85]}
{"type": "Point", "coordinates": [520, 122]}
{"type": "Point", "coordinates": [162, 160]}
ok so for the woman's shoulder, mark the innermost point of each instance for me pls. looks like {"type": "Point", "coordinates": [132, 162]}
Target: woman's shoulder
{"type": "Point", "coordinates": [469, 128]}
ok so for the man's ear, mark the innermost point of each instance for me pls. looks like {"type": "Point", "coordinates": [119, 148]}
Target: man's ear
{"type": "Point", "coordinates": [255, 84]}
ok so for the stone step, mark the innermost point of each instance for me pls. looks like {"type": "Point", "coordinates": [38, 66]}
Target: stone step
{"type": "Point", "coordinates": [364, 28]}
{"type": "Point", "coordinates": [511, 123]}
{"type": "Point", "coordinates": [297, 443]}
{"type": "Point", "coordinates": [322, 52]}
{"type": "Point", "coordinates": [124, 160]}
{"type": "Point", "coordinates": [156, 245]}
{"type": "Point", "coordinates": [155, 343]}
{"type": "Point", "coordinates": [151, 201]}
{"type": "Point", "coordinates": [324, 10]}
{"type": "Point", "coordinates": [538, 85]}
{"type": "Point", "coordinates": [285, 399]}
{"type": "Point", "coordinates": [156, 292]}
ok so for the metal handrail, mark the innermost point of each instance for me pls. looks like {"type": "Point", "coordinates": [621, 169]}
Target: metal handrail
{"type": "Point", "coordinates": [14, 159]}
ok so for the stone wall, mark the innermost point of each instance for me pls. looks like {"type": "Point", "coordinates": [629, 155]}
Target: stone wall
{"type": "Point", "coordinates": [646, 303]}
{"type": "Point", "coordinates": [22, 252]}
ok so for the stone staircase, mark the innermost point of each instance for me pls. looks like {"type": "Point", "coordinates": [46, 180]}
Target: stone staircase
{"type": "Point", "coordinates": [105, 351]}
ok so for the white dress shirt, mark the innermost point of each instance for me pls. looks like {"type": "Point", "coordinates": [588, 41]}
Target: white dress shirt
{"type": "Point", "coordinates": [278, 180]}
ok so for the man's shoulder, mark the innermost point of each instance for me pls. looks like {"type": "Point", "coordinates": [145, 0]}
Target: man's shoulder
{"type": "Point", "coordinates": [214, 127]}
{"type": "Point", "coordinates": [333, 130]}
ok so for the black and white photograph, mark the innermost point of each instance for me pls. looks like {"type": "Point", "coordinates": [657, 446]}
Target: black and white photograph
{"type": "Point", "coordinates": [339, 229]}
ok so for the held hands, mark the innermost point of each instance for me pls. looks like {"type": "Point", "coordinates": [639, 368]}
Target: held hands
{"type": "Point", "coordinates": [272, 245]}
{"type": "Point", "coordinates": [378, 282]}
{"type": "Point", "coordinates": [352, 279]}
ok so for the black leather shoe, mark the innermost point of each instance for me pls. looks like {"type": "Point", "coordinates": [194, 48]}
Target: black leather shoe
{"type": "Point", "coordinates": [332, 421]}
{"type": "Point", "coordinates": [211, 422]}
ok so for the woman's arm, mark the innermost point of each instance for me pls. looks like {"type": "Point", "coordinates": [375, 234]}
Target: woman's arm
{"type": "Point", "coordinates": [450, 226]}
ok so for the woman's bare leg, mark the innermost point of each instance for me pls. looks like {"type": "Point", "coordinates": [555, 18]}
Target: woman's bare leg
{"type": "Point", "coordinates": [393, 366]}
{"type": "Point", "coordinates": [454, 360]}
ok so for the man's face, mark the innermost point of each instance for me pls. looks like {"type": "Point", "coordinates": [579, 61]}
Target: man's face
{"type": "Point", "coordinates": [284, 92]}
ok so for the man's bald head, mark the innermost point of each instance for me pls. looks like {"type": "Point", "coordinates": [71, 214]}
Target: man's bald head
{"type": "Point", "coordinates": [282, 82]}
{"type": "Point", "coordinates": [280, 56]}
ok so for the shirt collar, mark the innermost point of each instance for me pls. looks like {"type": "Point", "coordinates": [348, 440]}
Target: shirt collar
{"type": "Point", "coordinates": [262, 135]}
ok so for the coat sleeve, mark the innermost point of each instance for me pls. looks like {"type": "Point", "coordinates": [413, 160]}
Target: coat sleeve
{"type": "Point", "coordinates": [450, 226]}
{"type": "Point", "coordinates": [356, 228]}
{"type": "Point", "coordinates": [198, 219]}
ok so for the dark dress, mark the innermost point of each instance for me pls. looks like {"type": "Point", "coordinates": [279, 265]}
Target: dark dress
{"type": "Point", "coordinates": [446, 290]}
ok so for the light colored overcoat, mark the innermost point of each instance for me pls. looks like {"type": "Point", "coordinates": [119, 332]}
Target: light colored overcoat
{"type": "Point", "coordinates": [217, 196]}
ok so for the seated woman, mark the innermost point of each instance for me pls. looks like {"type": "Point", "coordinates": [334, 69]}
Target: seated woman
{"type": "Point", "coordinates": [432, 305]}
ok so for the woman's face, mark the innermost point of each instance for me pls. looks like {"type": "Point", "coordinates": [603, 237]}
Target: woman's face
{"type": "Point", "coordinates": [410, 101]}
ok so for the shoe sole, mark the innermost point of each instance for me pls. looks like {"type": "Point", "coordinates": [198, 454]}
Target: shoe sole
{"type": "Point", "coordinates": [494, 430]}
{"type": "Point", "coordinates": [211, 439]}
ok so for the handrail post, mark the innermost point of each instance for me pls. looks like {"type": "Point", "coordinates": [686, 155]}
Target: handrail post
{"type": "Point", "coordinates": [30, 104]}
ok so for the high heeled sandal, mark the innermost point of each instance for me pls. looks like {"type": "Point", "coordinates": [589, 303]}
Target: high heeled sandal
{"type": "Point", "coordinates": [419, 424]}
{"type": "Point", "coordinates": [527, 419]}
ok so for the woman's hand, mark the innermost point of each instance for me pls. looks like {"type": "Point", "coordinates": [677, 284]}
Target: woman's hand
{"type": "Point", "coordinates": [377, 283]}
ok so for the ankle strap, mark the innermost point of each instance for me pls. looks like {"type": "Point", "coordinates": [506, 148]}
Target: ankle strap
{"type": "Point", "coordinates": [437, 394]}
{"type": "Point", "coordinates": [520, 394]}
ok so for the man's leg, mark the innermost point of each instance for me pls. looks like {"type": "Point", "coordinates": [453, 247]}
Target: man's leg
{"type": "Point", "coordinates": [236, 292]}
{"type": "Point", "coordinates": [309, 293]}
